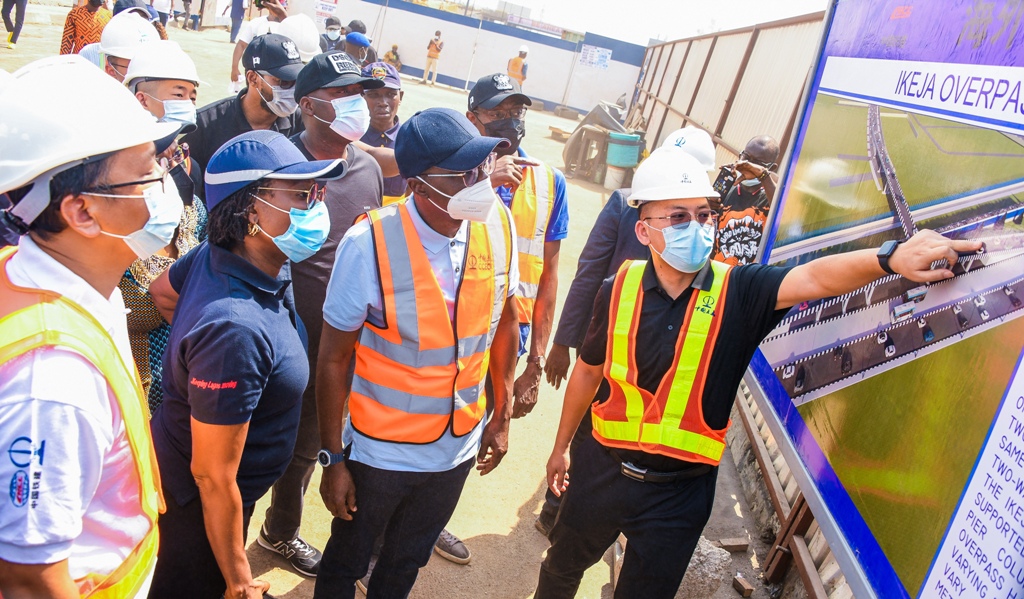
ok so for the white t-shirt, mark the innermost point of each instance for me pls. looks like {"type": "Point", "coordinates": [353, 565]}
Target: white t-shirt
{"type": "Point", "coordinates": [163, 6]}
{"type": "Point", "coordinates": [63, 436]}
{"type": "Point", "coordinates": [258, 26]}
{"type": "Point", "coordinates": [353, 297]}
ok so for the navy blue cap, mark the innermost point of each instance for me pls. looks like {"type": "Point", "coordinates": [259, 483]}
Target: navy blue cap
{"type": "Point", "coordinates": [444, 138]}
{"type": "Point", "coordinates": [357, 39]}
{"type": "Point", "coordinates": [274, 54]}
{"type": "Point", "coordinates": [382, 71]}
{"type": "Point", "coordinates": [332, 69]}
{"type": "Point", "coordinates": [259, 155]}
{"type": "Point", "coordinates": [491, 90]}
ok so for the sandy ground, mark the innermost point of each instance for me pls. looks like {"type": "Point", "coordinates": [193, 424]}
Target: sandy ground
{"type": "Point", "coordinates": [496, 514]}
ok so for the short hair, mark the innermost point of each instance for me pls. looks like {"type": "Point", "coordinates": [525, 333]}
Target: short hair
{"type": "Point", "coordinates": [438, 32]}
{"type": "Point", "coordinates": [357, 25]}
{"type": "Point", "coordinates": [228, 221]}
{"type": "Point", "coordinates": [763, 148]}
{"type": "Point", "coordinates": [71, 182]}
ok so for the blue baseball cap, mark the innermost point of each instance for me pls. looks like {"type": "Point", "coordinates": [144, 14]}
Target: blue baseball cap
{"type": "Point", "coordinates": [382, 71]}
{"type": "Point", "coordinates": [444, 138]}
{"type": "Point", "coordinates": [263, 154]}
{"type": "Point", "coordinates": [357, 39]}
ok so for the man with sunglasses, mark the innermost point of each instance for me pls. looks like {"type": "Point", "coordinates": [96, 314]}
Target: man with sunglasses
{"type": "Point", "coordinates": [420, 303]}
{"type": "Point", "coordinates": [272, 63]}
{"type": "Point", "coordinates": [89, 198]}
{"type": "Point", "coordinates": [746, 205]}
{"type": "Point", "coordinates": [665, 352]}
{"type": "Point", "coordinates": [329, 81]}
{"type": "Point", "coordinates": [536, 195]}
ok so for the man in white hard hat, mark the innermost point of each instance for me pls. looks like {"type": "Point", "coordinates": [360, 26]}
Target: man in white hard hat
{"type": "Point", "coordinates": [121, 39]}
{"type": "Point", "coordinates": [517, 66]}
{"type": "Point", "coordinates": [662, 405]}
{"type": "Point", "coordinates": [90, 198]}
{"type": "Point", "coordinates": [164, 80]}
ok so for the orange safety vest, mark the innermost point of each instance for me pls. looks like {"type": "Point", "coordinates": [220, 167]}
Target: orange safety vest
{"type": "Point", "coordinates": [671, 421]}
{"type": "Point", "coordinates": [515, 69]}
{"type": "Point", "coordinates": [532, 206]}
{"type": "Point", "coordinates": [423, 373]}
{"type": "Point", "coordinates": [34, 318]}
{"type": "Point", "coordinates": [434, 49]}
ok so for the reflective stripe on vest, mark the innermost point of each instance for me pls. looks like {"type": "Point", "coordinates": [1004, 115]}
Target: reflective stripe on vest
{"type": "Point", "coordinates": [669, 422]}
{"type": "Point", "coordinates": [31, 319]}
{"type": "Point", "coordinates": [420, 373]}
{"type": "Point", "coordinates": [515, 69]}
{"type": "Point", "coordinates": [532, 206]}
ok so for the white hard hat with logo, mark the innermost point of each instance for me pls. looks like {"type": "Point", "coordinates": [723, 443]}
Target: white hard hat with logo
{"type": "Point", "coordinates": [670, 174]}
{"type": "Point", "coordinates": [162, 59]}
{"type": "Point", "coordinates": [125, 33]}
{"type": "Point", "coordinates": [694, 141]}
{"type": "Point", "coordinates": [302, 30]}
{"type": "Point", "coordinates": [45, 130]}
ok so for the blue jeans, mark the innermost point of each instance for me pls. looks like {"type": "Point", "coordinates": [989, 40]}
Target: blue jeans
{"type": "Point", "coordinates": [410, 509]}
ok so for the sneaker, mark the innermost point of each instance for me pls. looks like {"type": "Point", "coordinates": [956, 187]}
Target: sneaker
{"type": "Point", "coordinates": [302, 557]}
{"type": "Point", "coordinates": [364, 582]}
{"type": "Point", "coordinates": [451, 548]}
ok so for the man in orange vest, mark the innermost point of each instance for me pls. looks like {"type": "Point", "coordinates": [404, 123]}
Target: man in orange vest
{"type": "Point", "coordinates": [517, 65]}
{"type": "Point", "coordinates": [89, 198]}
{"type": "Point", "coordinates": [434, 47]}
{"type": "Point", "coordinates": [662, 387]}
{"type": "Point", "coordinates": [418, 315]}
{"type": "Point", "coordinates": [535, 193]}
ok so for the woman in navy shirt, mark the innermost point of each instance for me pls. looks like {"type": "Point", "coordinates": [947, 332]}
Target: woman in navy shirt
{"type": "Point", "coordinates": [235, 366]}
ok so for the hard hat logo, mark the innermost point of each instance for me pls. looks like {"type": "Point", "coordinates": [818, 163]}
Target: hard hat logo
{"type": "Point", "coordinates": [686, 178]}
{"type": "Point", "coordinates": [502, 82]}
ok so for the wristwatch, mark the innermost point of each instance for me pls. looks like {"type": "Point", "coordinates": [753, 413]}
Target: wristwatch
{"type": "Point", "coordinates": [885, 253]}
{"type": "Point", "coordinates": [538, 360]}
{"type": "Point", "coordinates": [327, 458]}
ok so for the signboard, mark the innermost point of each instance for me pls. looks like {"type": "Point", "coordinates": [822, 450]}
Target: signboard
{"type": "Point", "coordinates": [595, 57]}
{"type": "Point", "coordinates": [904, 403]}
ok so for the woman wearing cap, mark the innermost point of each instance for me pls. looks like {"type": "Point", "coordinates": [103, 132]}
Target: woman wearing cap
{"type": "Point", "coordinates": [235, 366]}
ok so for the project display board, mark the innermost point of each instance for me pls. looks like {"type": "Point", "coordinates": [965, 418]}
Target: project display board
{"type": "Point", "coordinates": [905, 402]}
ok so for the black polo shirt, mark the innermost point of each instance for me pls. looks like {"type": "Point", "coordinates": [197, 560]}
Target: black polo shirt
{"type": "Point", "coordinates": [219, 121]}
{"type": "Point", "coordinates": [750, 315]}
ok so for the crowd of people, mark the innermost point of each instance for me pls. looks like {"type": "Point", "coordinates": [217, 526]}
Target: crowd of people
{"type": "Point", "coordinates": [197, 306]}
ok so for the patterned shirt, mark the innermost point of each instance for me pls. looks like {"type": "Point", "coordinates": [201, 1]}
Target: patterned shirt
{"type": "Point", "coordinates": [83, 28]}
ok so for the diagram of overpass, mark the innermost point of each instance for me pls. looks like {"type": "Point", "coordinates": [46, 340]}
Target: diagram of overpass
{"type": "Point", "coordinates": [823, 346]}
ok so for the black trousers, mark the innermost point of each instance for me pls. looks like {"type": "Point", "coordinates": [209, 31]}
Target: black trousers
{"type": "Point", "coordinates": [186, 565]}
{"type": "Point", "coordinates": [410, 509]}
{"type": "Point", "coordinates": [19, 17]}
{"type": "Point", "coordinates": [662, 524]}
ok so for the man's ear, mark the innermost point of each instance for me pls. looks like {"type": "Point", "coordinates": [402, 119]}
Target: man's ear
{"type": "Point", "coordinates": [75, 210]}
{"type": "Point", "coordinates": [642, 234]}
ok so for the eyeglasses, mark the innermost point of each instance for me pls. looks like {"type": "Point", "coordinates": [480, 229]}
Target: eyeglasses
{"type": "Point", "coordinates": [685, 218]}
{"type": "Point", "coordinates": [746, 157]}
{"type": "Point", "coordinates": [282, 84]}
{"type": "Point", "coordinates": [498, 115]}
{"type": "Point", "coordinates": [310, 197]}
{"type": "Point", "coordinates": [470, 178]}
{"type": "Point", "coordinates": [103, 187]}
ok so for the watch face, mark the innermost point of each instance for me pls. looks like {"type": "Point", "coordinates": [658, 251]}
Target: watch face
{"type": "Point", "coordinates": [324, 458]}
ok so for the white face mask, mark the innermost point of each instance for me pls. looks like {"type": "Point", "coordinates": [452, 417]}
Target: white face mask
{"type": "Point", "coordinates": [283, 102]}
{"type": "Point", "coordinates": [165, 208]}
{"type": "Point", "coordinates": [474, 203]}
{"type": "Point", "coordinates": [351, 116]}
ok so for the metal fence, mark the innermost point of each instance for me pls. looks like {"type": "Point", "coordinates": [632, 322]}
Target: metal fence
{"type": "Point", "coordinates": [734, 84]}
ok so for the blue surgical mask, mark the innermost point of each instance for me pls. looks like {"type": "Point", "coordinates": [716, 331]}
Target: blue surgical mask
{"type": "Point", "coordinates": [305, 235]}
{"type": "Point", "coordinates": [179, 111]}
{"type": "Point", "coordinates": [165, 208]}
{"type": "Point", "coordinates": [333, 34]}
{"type": "Point", "coordinates": [750, 184]}
{"type": "Point", "coordinates": [687, 246]}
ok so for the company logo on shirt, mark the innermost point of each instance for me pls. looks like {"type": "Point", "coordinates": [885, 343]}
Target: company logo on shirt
{"type": "Point", "coordinates": [19, 488]}
{"type": "Point", "coordinates": [211, 385]}
{"type": "Point", "coordinates": [23, 449]}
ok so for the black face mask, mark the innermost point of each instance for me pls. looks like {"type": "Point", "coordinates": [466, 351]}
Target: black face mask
{"type": "Point", "coordinates": [186, 186]}
{"type": "Point", "coordinates": [512, 129]}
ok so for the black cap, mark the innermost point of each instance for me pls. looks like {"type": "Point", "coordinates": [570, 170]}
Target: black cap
{"type": "Point", "coordinates": [332, 69]}
{"type": "Point", "coordinates": [491, 90]}
{"type": "Point", "coordinates": [274, 54]}
{"type": "Point", "coordinates": [332, 21]}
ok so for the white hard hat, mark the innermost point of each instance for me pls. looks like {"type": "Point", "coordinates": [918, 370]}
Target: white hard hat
{"type": "Point", "coordinates": [45, 130]}
{"type": "Point", "coordinates": [695, 142]}
{"type": "Point", "coordinates": [523, 48]}
{"type": "Point", "coordinates": [125, 33]}
{"type": "Point", "coordinates": [302, 30]}
{"type": "Point", "coordinates": [670, 174]}
{"type": "Point", "coordinates": [162, 59]}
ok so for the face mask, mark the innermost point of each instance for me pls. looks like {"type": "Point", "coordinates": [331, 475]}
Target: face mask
{"type": "Point", "coordinates": [305, 235]}
{"type": "Point", "coordinates": [179, 111]}
{"type": "Point", "coordinates": [282, 103]}
{"type": "Point", "coordinates": [750, 184]}
{"type": "Point", "coordinates": [514, 130]}
{"type": "Point", "coordinates": [351, 116]}
{"type": "Point", "coordinates": [165, 210]}
{"type": "Point", "coordinates": [474, 203]}
{"type": "Point", "coordinates": [687, 247]}
{"type": "Point", "coordinates": [333, 35]}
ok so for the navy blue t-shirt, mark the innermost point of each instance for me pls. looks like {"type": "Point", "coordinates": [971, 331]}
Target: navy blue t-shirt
{"type": "Point", "coordinates": [235, 355]}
